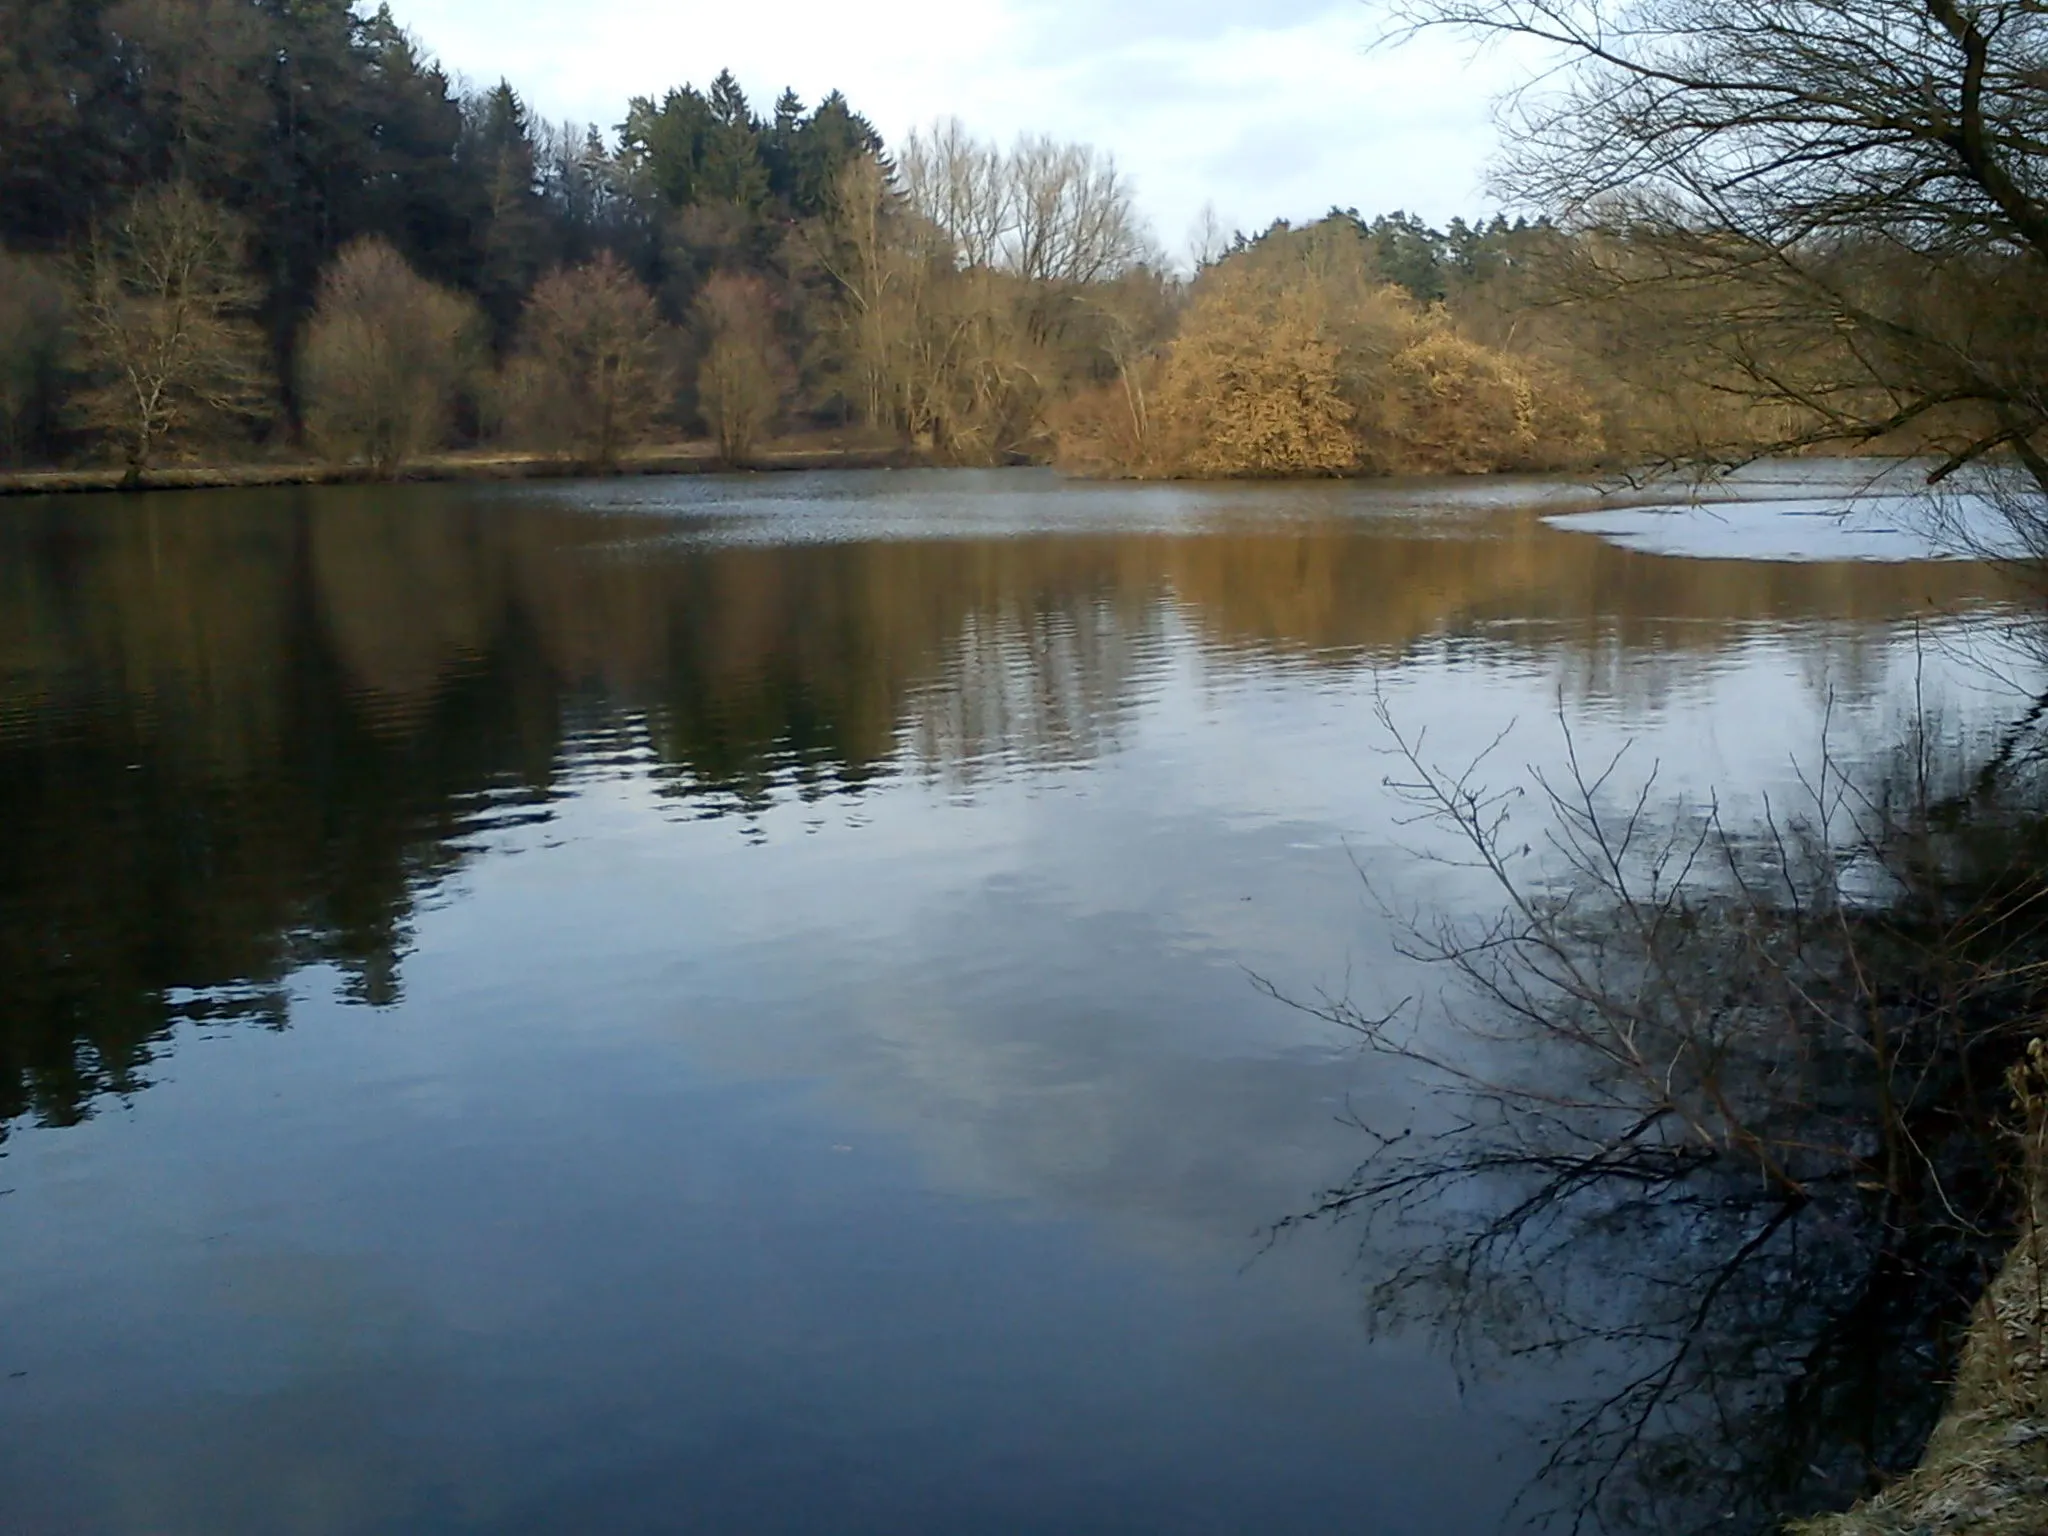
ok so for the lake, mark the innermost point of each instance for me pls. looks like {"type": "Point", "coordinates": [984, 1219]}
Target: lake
{"type": "Point", "coordinates": [733, 1004]}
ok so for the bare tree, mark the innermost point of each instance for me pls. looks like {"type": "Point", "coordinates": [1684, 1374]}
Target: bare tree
{"type": "Point", "coordinates": [977, 286]}
{"type": "Point", "coordinates": [933, 343]}
{"type": "Point", "coordinates": [384, 358]}
{"type": "Point", "coordinates": [161, 309]}
{"type": "Point", "coordinates": [1077, 220]}
{"type": "Point", "coordinates": [1046, 211]}
{"type": "Point", "coordinates": [1208, 240]}
{"type": "Point", "coordinates": [876, 284]}
{"type": "Point", "coordinates": [960, 186]}
{"type": "Point", "coordinates": [745, 374]}
{"type": "Point", "coordinates": [1851, 195]}
{"type": "Point", "coordinates": [591, 373]}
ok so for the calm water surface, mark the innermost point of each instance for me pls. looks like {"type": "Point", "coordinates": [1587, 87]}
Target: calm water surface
{"type": "Point", "coordinates": [728, 1005]}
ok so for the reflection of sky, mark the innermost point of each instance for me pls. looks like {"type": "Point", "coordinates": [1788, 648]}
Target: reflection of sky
{"type": "Point", "coordinates": [900, 1161]}
{"type": "Point", "coordinates": [1266, 111]}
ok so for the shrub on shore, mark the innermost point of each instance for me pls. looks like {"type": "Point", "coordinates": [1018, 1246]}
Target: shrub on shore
{"type": "Point", "coordinates": [591, 375]}
{"type": "Point", "coordinates": [384, 359]}
{"type": "Point", "coordinates": [1295, 358]}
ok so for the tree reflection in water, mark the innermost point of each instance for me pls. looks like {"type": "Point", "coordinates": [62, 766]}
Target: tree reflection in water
{"type": "Point", "coordinates": [243, 733]}
{"type": "Point", "coordinates": [1720, 1127]}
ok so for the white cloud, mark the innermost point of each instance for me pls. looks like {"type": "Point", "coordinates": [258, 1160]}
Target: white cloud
{"type": "Point", "coordinates": [1274, 111]}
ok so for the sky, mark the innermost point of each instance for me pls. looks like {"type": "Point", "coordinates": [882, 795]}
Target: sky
{"type": "Point", "coordinates": [1257, 108]}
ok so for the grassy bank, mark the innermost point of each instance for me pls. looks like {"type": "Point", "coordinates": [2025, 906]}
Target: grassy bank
{"type": "Point", "coordinates": [477, 464]}
{"type": "Point", "coordinates": [1985, 1471]}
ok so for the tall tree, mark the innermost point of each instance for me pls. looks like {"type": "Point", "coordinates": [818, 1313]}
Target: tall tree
{"type": "Point", "coordinates": [779, 145]}
{"type": "Point", "coordinates": [57, 144]}
{"type": "Point", "coordinates": [418, 187]}
{"type": "Point", "coordinates": [698, 150]}
{"type": "Point", "coordinates": [513, 241]}
{"type": "Point", "coordinates": [826, 143]}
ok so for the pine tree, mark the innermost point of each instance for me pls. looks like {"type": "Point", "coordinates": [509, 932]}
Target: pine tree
{"type": "Point", "coordinates": [418, 187]}
{"type": "Point", "coordinates": [779, 146]}
{"type": "Point", "coordinates": [732, 170]}
{"type": "Point", "coordinates": [729, 106]}
{"type": "Point", "coordinates": [827, 143]}
{"type": "Point", "coordinates": [512, 248]}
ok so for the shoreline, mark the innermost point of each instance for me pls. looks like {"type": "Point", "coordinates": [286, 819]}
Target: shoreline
{"type": "Point", "coordinates": [475, 466]}
{"type": "Point", "coordinates": [1985, 1469]}
{"type": "Point", "coordinates": [1604, 487]}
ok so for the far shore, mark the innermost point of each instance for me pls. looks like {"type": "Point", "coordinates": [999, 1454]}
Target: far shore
{"type": "Point", "coordinates": [691, 458]}
{"type": "Point", "coordinates": [701, 457]}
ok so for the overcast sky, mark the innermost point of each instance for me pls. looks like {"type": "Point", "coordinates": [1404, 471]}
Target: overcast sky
{"type": "Point", "coordinates": [1265, 108]}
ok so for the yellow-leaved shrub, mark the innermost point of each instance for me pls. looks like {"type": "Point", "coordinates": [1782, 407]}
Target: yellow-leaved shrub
{"type": "Point", "coordinates": [1292, 359]}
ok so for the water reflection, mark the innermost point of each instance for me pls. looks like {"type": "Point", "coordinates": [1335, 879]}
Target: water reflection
{"type": "Point", "coordinates": [238, 734]}
{"type": "Point", "coordinates": [1721, 1115]}
{"type": "Point", "coordinates": [1038, 769]}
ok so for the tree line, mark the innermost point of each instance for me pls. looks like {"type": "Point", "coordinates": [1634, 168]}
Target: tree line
{"type": "Point", "coordinates": [273, 226]}
{"type": "Point", "coordinates": [253, 225]}
{"type": "Point", "coordinates": [268, 223]}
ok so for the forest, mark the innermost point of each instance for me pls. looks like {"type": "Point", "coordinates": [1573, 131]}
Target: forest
{"type": "Point", "coordinates": [257, 230]}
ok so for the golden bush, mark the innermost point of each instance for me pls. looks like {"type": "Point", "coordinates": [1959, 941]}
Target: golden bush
{"type": "Point", "coordinates": [1253, 385]}
{"type": "Point", "coordinates": [1294, 359]}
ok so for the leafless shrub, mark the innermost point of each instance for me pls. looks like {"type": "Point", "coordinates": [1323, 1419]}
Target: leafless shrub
{"type": "Point", "coordinates": [591, 373]}
{"type": "Point", "coordinates": [1723, 1106]}
{"type": "Point", "coordinates": [745, 375]}
{"type": "Point", "coordinates": [1295, 358]}
{"type": "Point", "coordinates": [385, 357]}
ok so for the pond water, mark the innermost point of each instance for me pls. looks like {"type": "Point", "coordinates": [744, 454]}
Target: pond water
{"type": "Point", "coordinates": [730, 1004]}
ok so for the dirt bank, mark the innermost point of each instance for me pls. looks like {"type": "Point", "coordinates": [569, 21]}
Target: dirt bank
{"type": "Point", "coordinates": [1986, 1468]}
{"type": "Point", "coordinates": [674, 459]}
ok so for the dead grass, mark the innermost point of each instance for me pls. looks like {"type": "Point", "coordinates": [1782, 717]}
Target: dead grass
{"type": "Point", "coordinates": [1985, 1472]}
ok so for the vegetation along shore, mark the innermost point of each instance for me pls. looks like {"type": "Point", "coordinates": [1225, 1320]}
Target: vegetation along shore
{"type": "Point", "coordinates": [398, 268]}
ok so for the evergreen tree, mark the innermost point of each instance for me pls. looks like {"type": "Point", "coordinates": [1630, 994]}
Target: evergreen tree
{"type": "Point", "coordinates": [696, 150]}
{"type": "Point", "coordinates": [779, 146]}
{"type": "Point", "coordinates": [53, 80]}
{"type": "Point", "coordinates": [830, 140]}
{"type": "Point", "coordinates": [732, 170]}
{"type": "Point", "coordinates": [418, 188]}
{"type": "Point", "coordinates": [728, 104]}
{"type": "Point", "coordinates": [663, 147]}
{"type": "Point", "coordinates": [513, 245]}
{"type": "Point", "coordinates": [1409, 254]}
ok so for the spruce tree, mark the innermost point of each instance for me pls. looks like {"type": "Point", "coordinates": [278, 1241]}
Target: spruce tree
{"type": "Point", "coordinates": [733, 170]}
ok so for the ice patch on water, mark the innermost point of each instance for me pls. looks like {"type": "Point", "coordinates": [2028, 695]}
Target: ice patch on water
{"type": "Point", "coordinates": [1875, 528]}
